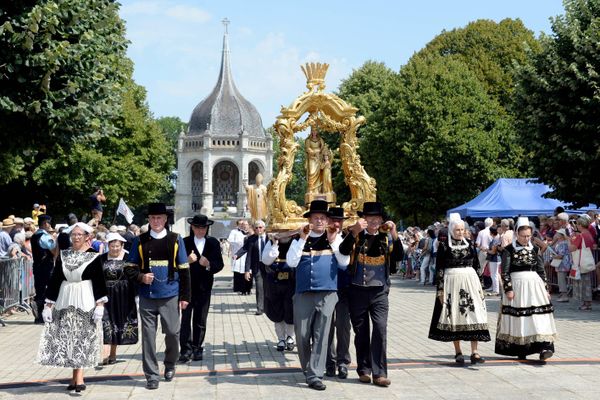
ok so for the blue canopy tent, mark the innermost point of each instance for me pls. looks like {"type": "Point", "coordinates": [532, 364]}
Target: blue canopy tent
{"type": "Point", "coordinates": [511, 197]}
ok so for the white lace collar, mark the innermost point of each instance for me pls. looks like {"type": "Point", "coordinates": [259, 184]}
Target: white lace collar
{"type": "Point", "coordinates": [463, 245]}
{"type": "Point", "coordinates": [518, 247]}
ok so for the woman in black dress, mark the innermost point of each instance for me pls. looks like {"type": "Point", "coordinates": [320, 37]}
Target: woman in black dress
{"type": "Point", "coordinates": [120, 324]}
{"type": "Point", "coordinates": [459, 312]}
{"type": "Point", "coordinates": [526, 319]}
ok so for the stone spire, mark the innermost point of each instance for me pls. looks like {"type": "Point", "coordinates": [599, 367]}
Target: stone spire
{"type": "Point", "coordinates": [225, 112]}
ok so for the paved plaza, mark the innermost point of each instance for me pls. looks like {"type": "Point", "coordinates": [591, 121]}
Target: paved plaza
{"type": "Point", "coordinates": [241, 360]}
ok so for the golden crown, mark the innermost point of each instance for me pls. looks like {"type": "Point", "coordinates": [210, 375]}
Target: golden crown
{"type": "Point", "coordinates": [315, 74]}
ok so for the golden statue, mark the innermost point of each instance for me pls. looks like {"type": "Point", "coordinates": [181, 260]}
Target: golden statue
{"type": "Point", "coordinates": [331, 115]}
{"type": "Point", "coordinates": [326, 173]}
{"type": "Point", "coordinates": [257, 199]}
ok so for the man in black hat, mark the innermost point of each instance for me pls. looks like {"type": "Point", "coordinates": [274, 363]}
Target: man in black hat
{"type": "Point", "coordinates": [204, 256]}
{"type": "Point", "coordinates": [43, 246]}
{"type": "Point", "coordinates": [338, 351]}
{"type": "Point", "coordinates": [374, 257]}
{"type": "Point", "coordinates": [317, 258]}
{"type": "Point", "coordinates": [158, 262]}
{"type": "Point", "coordinates": [254, 247]}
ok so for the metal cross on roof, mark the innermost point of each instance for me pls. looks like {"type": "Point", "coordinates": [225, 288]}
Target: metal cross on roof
{"type": "Point", "coordinates": [226, 23]}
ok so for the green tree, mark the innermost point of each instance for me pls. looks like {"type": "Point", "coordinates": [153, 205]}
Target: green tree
{"type": "Point", "coordinates": [135, 164]}
{"type": "Point", "coordinates": [490, 50]}
{"type": "Point", "coordinates": [172, 128]}
{"type": "Point", "coordinates": [362, 89]}
{"type": "Point", "coordinates": [440, 139]}
{"type": "Point", "coordinates": [78, 120]}
{"type": "Point", "coordinates": [60, 78]}
{"type": "Point", "coordinates": [558, 104]}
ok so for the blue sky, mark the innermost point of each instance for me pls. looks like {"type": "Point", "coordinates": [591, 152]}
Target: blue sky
{"type": "Point", "coordinates": [176, 44]}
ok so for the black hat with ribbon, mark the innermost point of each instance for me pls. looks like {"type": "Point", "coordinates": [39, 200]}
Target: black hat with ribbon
{"type": "Point", "coordinates": [317, 206]}
{"type": "Point", "coordinates": [157, 209]}
{"type": "Point", "coordinates": [336, 213]}
{"type": "Point", "coordinates": [372, 208]}
{"type": "Point", "coordinates": [200, 220]}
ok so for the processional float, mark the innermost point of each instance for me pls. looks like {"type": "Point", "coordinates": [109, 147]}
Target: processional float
{"type": "Point", "coordinates": [323, 113]}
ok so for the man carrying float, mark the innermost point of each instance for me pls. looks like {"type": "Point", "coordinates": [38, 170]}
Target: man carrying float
{"type": "Point", "coordinates": [374, 257]}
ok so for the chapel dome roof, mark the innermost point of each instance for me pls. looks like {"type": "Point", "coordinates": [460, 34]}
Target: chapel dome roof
{"type": "Point", "coordinates": [225, 112]}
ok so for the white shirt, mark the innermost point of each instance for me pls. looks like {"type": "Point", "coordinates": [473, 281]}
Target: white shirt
{"type": "Point", "coordinates": [264, 240]}
{"type": "Point", "coordinates": [483, 239]}
{"type": "Point", "coordinates": [236, 240]}
{"type": "Point", "coordinates": [199, 242]}
{"type": "Point", "coordinates": [270, 254]}
{"type": "Point", "coordinates": [159, 235]}
{"type": "Point", "coordinates": [295, 252]}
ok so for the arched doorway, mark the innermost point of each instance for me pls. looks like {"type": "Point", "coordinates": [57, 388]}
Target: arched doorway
{"type": "Point", "coordinates": [197, 185]}
{"type": "Point", "coordinates": [225, 184]}
{"type": "Point", "coordinates": [253, 170]}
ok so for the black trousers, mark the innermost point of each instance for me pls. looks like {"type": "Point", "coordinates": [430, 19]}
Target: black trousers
{"type": "Point", "coordinates": [193, 322]}
{"type": "Point", "coordinates": [370, 305]}
{"type": "Point", "coordinates": [41, 278]}
{"type": "Point", "coordinates": [278, 299]}
{"type": "Point", "coordinates": [260, 290]}
{"type": "Point", "coordinates": [338, 352]}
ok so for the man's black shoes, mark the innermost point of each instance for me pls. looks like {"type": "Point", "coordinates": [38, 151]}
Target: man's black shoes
{"type": "Point", "coordinates": [184, 358]}
{"type": "Point", "coordinates": [342, 372]}
{"type": "Point", "coordinates": [198, 356]}
{"type": "Point", "coordinates": [317, 385]}
{"type": "Point", "coordinates": [169, 374]}
{"type": "Point", "coordinates": [330, 371]}
{"type": "Point", "coordinates": [152, 385]}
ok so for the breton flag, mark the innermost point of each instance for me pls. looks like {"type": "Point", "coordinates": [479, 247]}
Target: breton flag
{"type": "Point", "coordinates": [125, 211]}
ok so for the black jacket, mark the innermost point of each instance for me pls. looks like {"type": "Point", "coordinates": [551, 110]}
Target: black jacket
{"type": "Point", "coordinates": [202, 278]}
{"type": "Point", "coordinates": [251, 246]}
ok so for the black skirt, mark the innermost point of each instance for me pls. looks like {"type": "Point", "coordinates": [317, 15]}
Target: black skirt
{"type": "Point", "coordinates": [240, 284]}
{"type": "Point", "coordinates": [120, 323]}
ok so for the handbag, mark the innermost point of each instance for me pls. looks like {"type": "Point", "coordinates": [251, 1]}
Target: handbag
{"type": "Point", "coordinates": [555, 262]}
{"type": "Point", "coordinates": [585, 258]}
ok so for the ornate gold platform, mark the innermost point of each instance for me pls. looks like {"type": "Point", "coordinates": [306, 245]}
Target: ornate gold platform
{"type": "Point", "coordinates": [331, 115]}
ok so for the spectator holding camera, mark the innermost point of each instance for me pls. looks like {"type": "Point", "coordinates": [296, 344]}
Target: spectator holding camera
{"type": "Point", "coordinates": [96, 200]}
{"type": "Point", "coordinates": [37, 211]}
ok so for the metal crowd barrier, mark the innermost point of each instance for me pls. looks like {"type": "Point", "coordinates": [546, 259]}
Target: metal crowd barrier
{"type": "Point", "coordinates": [16, 284]}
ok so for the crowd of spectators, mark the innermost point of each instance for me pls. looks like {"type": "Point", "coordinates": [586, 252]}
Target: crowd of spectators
{"type": "Point", "coordinates": [557, 236]}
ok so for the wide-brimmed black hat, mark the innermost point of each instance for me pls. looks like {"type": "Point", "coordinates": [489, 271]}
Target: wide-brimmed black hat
{"type": "Point", "coordinates": [200, 220]}
{"type": "Point", "coordinates": [336, 213]}
{"type": "Point", "coordinates": [372, 208]}
{"type": "Point", "coordinates": [157, 209]}
{"type": "Point", "coordinates": [317, 206]}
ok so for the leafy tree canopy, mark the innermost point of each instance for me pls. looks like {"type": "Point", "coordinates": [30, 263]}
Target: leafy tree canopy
{"type": "Point", "coordinates": [71, 116]}
{"type": "Point", "coordinates": [489, 49]}
{"type": "Point", "coordinates": [439, 139]}
{"type": "Point", "coordinates": [558, 104]}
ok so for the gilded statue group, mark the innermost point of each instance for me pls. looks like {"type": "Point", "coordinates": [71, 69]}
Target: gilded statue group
{"type": "Point", "coordinates": [318, 168]}
{"type": "Point", "coordinates": [317, 164]}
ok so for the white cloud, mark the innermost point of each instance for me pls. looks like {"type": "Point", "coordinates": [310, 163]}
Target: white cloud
{"type": "Point", "coordinates": [188, 14]}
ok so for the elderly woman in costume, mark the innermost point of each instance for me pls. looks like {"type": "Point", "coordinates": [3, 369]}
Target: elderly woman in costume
{"type": "Point", "coordinates": [459, 312]}
{"type": "Point", "coordinates": [74, 307]}
{"type": "Point", "coordinates": [120, 323]}
{"type": "Point", "coordinates": [526, 321]}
